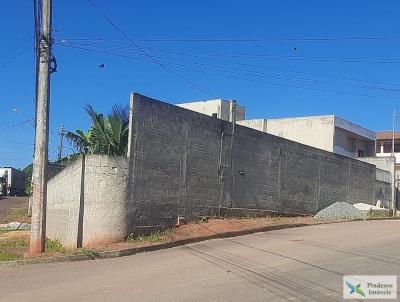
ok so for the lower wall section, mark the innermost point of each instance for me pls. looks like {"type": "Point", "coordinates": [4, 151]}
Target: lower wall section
{"type": "Point", "coordinates": [86, 202]}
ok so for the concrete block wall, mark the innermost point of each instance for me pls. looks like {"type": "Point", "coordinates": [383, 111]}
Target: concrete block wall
{"type": "Point", "coordinates": [104, 200]}
{"type": "Point", "coordinates": [178, 168]}
{"type": "Point", "coordinates": [86, 202]}
{"type": "Point", "coordinates": [386, 189]}
{"type": "Point", "coordinates": [63, 201]}
{"type": "Point", "coordinates": [383, 187]}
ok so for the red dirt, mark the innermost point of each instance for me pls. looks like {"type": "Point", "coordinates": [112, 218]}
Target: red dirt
{"type": "Point", "coordinates": [212, 227]}
{"type": "Point", "coordinates": [191, 230]}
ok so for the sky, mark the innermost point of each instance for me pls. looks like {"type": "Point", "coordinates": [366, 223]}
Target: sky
{"type": "Point", "coordinates": [277, 58]}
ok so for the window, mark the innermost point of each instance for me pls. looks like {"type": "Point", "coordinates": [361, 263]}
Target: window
{"type": "Point", "coordinates": [387, 148]}
{"type": "Point", "coordinates": [378, 148]}
{"type": "Point", "coordinates": [360, 153]}
{"type": "Point", "coordinates": [215, 115]}
{"type": "Point", "coordinates": [396, 148]}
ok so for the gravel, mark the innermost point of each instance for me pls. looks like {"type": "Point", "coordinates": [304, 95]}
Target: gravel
{"type": "Point", "coordinates": [15, 226]}
{"type": "Point", "coordinates": [340, 210]}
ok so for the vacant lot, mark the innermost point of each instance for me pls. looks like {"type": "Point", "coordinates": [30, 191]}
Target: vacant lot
{"type": "Point", "coordinates": [13, 208]}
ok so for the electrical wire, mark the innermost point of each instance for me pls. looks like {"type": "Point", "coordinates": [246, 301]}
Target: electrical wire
{"type": "Point", "coordinates": [106, 47]}
{"type": "Point", "coordinates": [141, 49]}
{"type": "Point", "coordinates": [293, 86]}
{"type": "Point", "coordinates": [15, 126]}
{"type": "Point", "coordinates": [199, 67]}
{"type": "Point", "coordinates": [251, 55]}
{"type": "Point", "coordinates": [16, 45]}
{"type": "Point", "coordinates": [260, 39]}
{"type": "Point", "coordinates": [15, 57]}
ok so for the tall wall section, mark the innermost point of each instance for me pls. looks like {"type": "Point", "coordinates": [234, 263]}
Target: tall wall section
{"type": "Point", "coordinates": [188, 164]}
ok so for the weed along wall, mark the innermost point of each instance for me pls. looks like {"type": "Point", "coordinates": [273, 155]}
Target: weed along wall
{"type": "Point", "coordinates": [188, 164]}
{"type": "Point", "coordinates": [86, 202]}
{"type": "Point", "coordinates": [185, 164]}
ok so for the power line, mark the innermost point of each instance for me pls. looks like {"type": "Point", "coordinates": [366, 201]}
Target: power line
{"type": "Point", "coordinates": [293, 58]}
{"type": "Point", "coordinates": [192, 64]}
{"type": "Point", "coordinates": [147, 54]}
{"type": "Point", "coordinates": [259, 39]}
{"type": "Point", "coordinates": [287, 77]}
{"type": "Point", "coordinates": [16, 45]}
{"type": "Point", "coordinates": [16, 125]}
{"type": "Point", "coordinates": [293, 86]}
{"type": "Point", "coordinates": [63, 41]}
{"type": "Point", "coordinates": [248, 55]}
{"type": "Point", "coordinates": [253, 80]}
{"type": "Point", "coordinates": [15, 57]}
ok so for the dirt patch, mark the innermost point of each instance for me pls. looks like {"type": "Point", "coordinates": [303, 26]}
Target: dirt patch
{"type": "Point", "coordinates": [14, 209]}
{"type": "Point", "coordinates": [14, 245]}
{"type": "Point", "coordinates": [208, 228]}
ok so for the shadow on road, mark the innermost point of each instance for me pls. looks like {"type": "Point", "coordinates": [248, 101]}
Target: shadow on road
{"type": "Point", "coordinates": [281, 284]}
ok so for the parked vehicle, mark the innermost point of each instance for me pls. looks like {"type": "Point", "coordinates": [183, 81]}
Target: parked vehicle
{"type": "Point", "coordinates": [12, 182]}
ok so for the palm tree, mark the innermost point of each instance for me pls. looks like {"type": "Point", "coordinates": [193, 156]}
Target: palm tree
{"type": "Point", "coordinates": [107, 134]}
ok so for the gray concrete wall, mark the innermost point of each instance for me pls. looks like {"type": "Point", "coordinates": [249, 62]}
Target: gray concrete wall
{"type": "Point", "coordinates": [327, 132]}
{"type": "Point", "coordinates": [383, 187]}
{"type": "Point", "coordinates": [348, 144]}
{"type": "Point", "coordinates": [178, 169]}
{"type": "Point", "coordinates": [86, 206]}
{"type": "Point", "coordinates": [63, 197]}
{"type": "Point", "coordinates": [315, 131]}
{"type": "Point", "coordinates": [182, 163]}
{"type": "Point", "coordinates": [257, 124]}
{"type": "Point", "coordinates": [384, 180]}
{"type": "Point", "coordinates": [219, 106]}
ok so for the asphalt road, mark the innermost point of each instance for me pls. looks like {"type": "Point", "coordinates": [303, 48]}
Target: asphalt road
{"type": "Point", "coordinates": [8, 204]}
{"type": "Point", "coordinates": [302, 264]}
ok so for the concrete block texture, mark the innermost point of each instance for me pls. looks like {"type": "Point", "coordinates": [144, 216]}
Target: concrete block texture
{"type": "Point", "coordinates": [86, 202]}
{"type": "Point", "coordinates": [188, 164]}
{"type": "Point", "coordinates": [182, 163]}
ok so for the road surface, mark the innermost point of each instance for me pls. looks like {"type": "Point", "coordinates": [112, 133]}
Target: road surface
{"type": "Point", "coordinates": [302, 264]}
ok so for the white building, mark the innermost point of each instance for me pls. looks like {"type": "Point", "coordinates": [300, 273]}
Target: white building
{"type": "Point", "coordinates": [384, 143]}
{"type": "Point", "coordinates": [217, 108]}
{"type": "Point", "coordinates": [327, 132]}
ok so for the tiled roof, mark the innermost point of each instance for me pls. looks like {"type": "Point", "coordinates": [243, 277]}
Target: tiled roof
{"type": "Point", "coordinates": [387, 135]}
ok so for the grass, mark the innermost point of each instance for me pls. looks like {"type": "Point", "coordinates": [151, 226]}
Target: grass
{"type": "Point", "coordinates": [91, 253]}
{"type": "Point", "coordinates": [6, 256]}
{"type": "Point", "coordinates": [5, 230]}
{"type": "Point", "coordinates": [378, 215]}
{"type": "Point", "coordinates": [153, 237]}
{"type": "Point", "coordinates": [55, 246]}
{"type": "Point", "coordinates": [6, 245]}
{"type": "Point", "coordinates": [17, 214]}
{"type": "Point", "coordinates": [13, 244]}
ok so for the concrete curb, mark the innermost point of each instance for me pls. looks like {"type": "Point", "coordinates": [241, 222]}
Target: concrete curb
{"type": "Point", "coordinates": [149, 248]}
{"type": "Point", "coordinates": [166, 245]}
{"type": "Point", "coordinates": [45, 260]}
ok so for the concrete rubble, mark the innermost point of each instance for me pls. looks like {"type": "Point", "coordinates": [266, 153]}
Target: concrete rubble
{"type": "Point", "coordinates": [15, 225]}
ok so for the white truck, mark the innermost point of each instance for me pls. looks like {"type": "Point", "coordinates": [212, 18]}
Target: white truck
{"type": "Point", "coordinates": [12, 182]}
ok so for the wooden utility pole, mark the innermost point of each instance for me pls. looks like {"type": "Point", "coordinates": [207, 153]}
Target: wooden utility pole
{"type": "Point", "coordinates": [62, 133]}
{"type": "Point", "coordinates": [39, 174]}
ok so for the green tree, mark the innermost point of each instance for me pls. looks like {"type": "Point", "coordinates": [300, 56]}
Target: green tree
{"type": "Point", "coordinates": [28, 179]}
{"type": "Point", "coordinates": [107, 134]}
